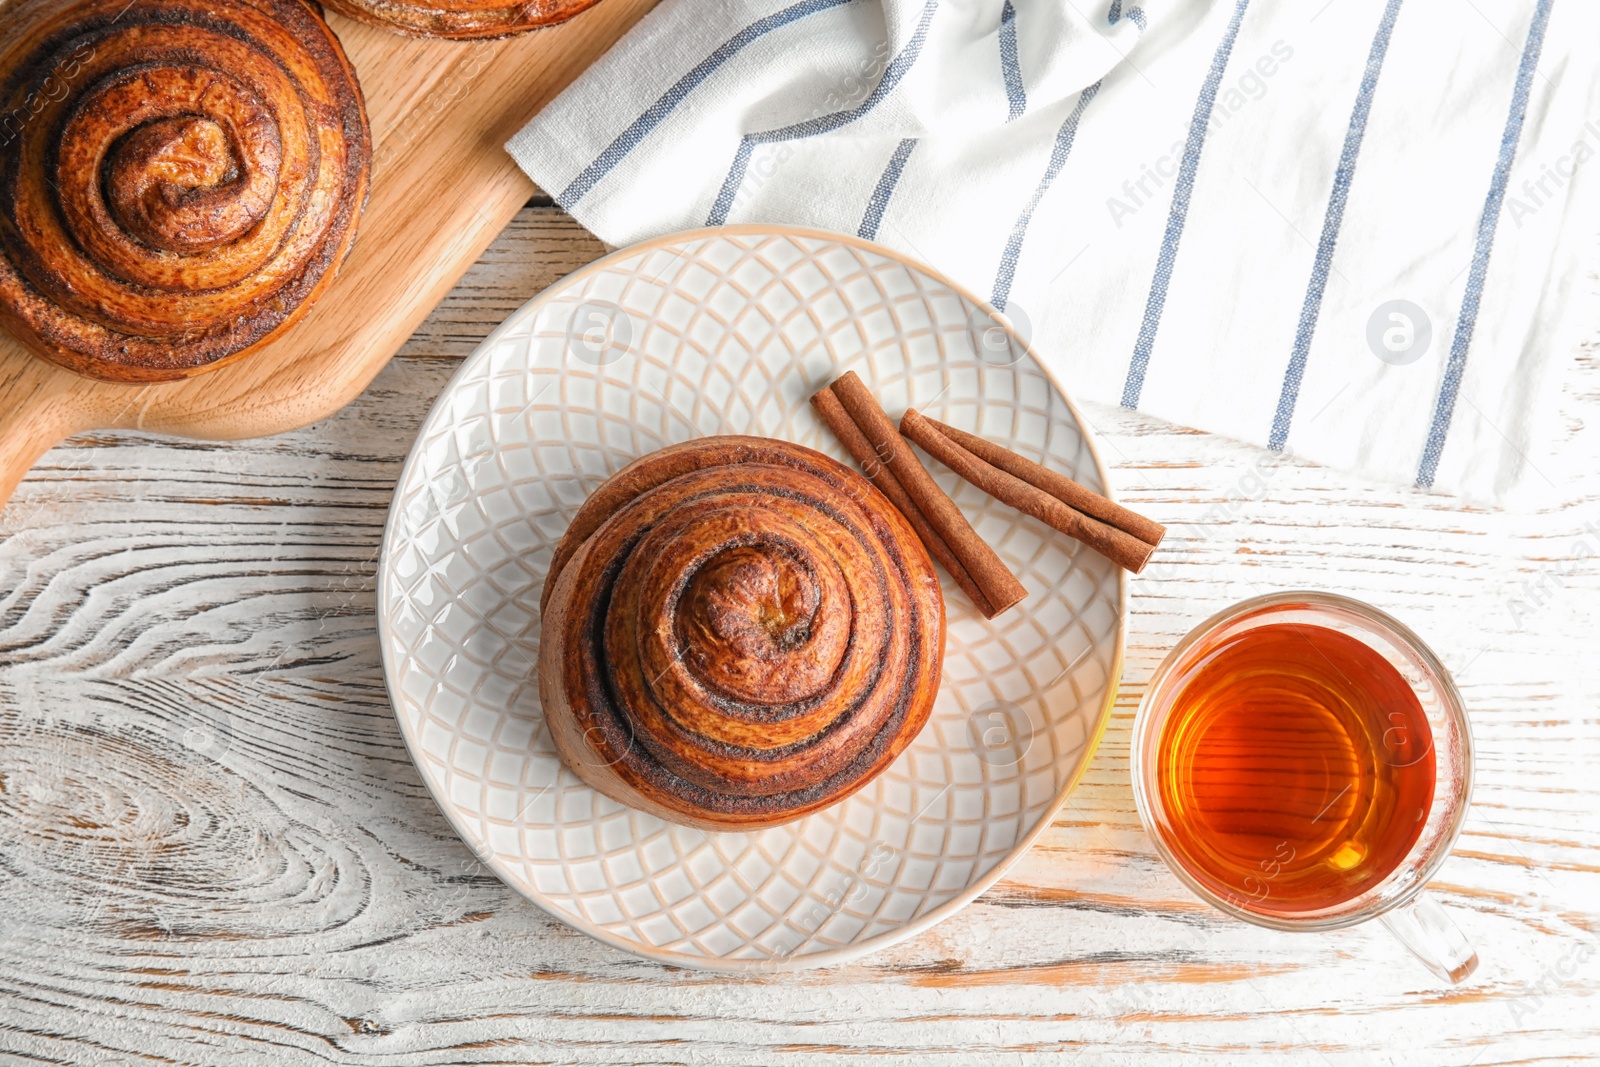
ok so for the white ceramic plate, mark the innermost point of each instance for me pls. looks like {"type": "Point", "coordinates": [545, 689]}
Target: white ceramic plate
{"type": "Point", "coordinates": [731, 331]}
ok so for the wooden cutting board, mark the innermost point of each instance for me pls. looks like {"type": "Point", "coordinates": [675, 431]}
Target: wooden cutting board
{"type": "Point", "coordinates": [442, 188]}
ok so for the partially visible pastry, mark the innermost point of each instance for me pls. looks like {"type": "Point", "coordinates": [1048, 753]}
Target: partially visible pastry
{"type": "Point", "coordinates": [738, 632]}
{"type": "Point", "coordinates": [179, 179]}
{"type": "Point", "coordinates": [460, 19]}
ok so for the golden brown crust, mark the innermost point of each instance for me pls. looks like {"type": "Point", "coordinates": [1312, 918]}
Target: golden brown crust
{"type": "Point", "coordinates": [460, 20]}
{"type": "Point", "coordinates": [738, 632]}
{"type": "Point", "coordinates": [179, 179]}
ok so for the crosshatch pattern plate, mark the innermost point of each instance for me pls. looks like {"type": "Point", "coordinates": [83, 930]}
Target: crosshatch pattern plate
{"type": "Point", "coordinates": [731, 331]}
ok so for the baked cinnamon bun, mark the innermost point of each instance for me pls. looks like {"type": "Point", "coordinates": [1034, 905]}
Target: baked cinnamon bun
{"type": "Point", "coordinates": [179, 179]}
{"type": "Point", "coordinates": [737, 632]}
{"type": "Point", "coordinates": [460, 19]}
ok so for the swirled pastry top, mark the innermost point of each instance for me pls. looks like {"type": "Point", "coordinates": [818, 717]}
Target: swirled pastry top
{"type": "Point", "coordinates": [460, 19]}
{"type": "Point", "coordinates": [738, 632]}
{"type": "Point", "coordinates": [179, 179]}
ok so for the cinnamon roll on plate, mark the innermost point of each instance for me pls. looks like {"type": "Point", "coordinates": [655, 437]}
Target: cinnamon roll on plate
{"type": "Point", "coordinates": [737, 632]}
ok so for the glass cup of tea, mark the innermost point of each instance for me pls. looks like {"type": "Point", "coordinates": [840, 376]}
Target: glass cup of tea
{"type": "Point", "coordinates": [1303, 762]}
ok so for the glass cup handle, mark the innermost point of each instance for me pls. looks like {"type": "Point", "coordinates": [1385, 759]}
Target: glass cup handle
{"type": "Point", "coordinates": [1426, 929]}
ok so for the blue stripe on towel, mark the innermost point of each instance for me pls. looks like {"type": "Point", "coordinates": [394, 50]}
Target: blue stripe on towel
{"type": "Point", "coordinates": [1010, 65]}
{"type": "Point", "coordinates": [1058, 159]}
{"type": "Point", "coordinates": [1448, 388]}
{"type": "Point", "coordinates": [1135, 15]}
{"type": "Point", "coordinates": [629, 139]}
{"type": "Point", "coordinates": [896, 70]}
{"type": "Point", "coordinates": [1182, 191]}
{"type": "Point", "coordinates": [885, 189]}
{"type": "Point", "coordinates": [1331, 222]}
{"type": "Point", "coordinates": [724, 202]}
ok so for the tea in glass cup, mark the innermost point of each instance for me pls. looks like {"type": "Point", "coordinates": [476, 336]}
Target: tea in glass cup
{"type": "Point", "coordinates": [1302, 761]}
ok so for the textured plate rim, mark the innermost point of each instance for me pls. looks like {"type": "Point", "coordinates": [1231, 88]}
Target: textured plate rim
{"type": "Point", "coordinates": [974, 889]}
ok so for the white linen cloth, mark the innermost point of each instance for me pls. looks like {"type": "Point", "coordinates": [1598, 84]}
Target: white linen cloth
{"type": "Point", "coordinates": [1350, 228]}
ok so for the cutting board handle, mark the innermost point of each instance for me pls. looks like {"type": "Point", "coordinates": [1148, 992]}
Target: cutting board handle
{"type": "Point", "coordinates": [32, 421]}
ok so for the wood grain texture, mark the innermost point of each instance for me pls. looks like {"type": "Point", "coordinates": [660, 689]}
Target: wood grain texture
{"type": "Point", "coordinates": [442, 188]}
{"type": "Point", "coordinates": [214, 849]}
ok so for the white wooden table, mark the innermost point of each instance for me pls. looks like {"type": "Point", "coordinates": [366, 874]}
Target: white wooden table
{"type": "Point", "coordinates": [214, 849]}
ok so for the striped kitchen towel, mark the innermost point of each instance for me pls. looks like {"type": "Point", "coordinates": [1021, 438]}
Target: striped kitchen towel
{"type": "Point", "coordinates": [1355, 229]}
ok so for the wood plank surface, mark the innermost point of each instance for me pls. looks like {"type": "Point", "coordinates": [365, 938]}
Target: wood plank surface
{"type": "Point", "coordinates": [214, 849]}
{"type": "Point", "coordinates": [442, 188]}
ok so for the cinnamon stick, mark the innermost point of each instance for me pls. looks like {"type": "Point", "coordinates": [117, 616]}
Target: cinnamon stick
{"type": "Point", "coordinates": [1056, 484]}
{"type": "Point", "coordinates": [1119, 546]}
{"type": "Point", "coordinates": [1000, 587]}
{"type": "Point", "coordinates": [856, 443]}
